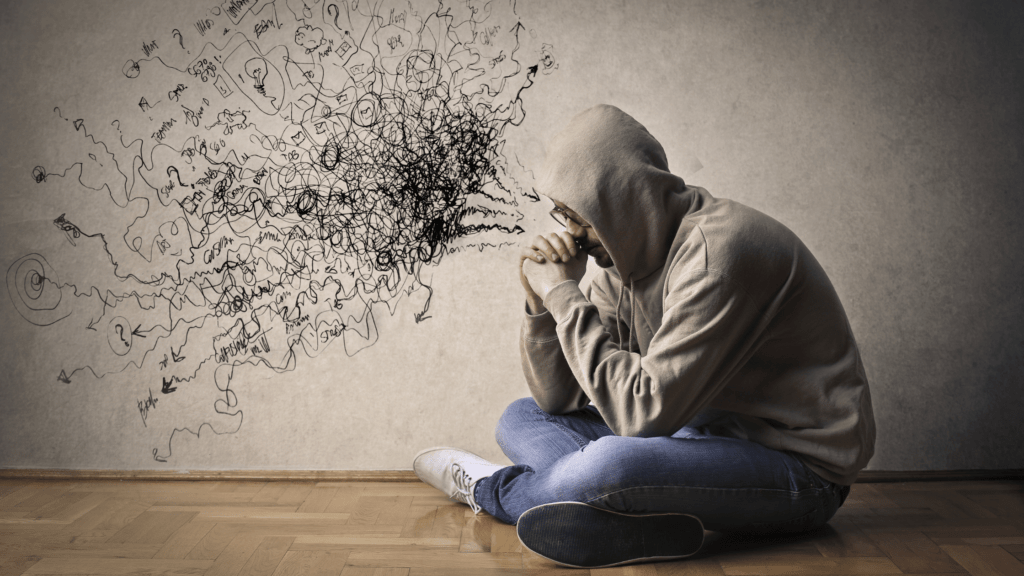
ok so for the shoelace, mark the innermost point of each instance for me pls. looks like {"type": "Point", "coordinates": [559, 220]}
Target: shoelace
{"type": "Point", "coordinates": [464, 487]}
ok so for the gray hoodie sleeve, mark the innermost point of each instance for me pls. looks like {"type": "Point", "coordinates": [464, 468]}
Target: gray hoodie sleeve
{"type": "Point", "coordinates": [551, 380]}
{"type": "Point", "coordinates": [703, 337]}
{"type": "Point", "coordinates": [549, 377]}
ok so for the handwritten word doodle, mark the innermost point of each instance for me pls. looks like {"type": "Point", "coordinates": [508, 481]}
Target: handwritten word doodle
{"type": "Point", "coordinates": [285, 169]}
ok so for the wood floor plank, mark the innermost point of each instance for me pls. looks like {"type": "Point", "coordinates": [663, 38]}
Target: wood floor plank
{"type": "Point", "coordinates": [811, 567]}
{"type": "Point", "coordinates": [432, 559]}
{"type": "Point", "coordinates": [985, 560]}
{"type": "Point", "coordinates": [205, 498]}
{"type": "Point", "coordinates": [184, 540]}
{"type": "Point", "coordinates": [162, 531]}
{"type": "Point", "coordinates": [476, 535]}
{"type": "Point", "coordinates": [311, 563]}
{"type": "Point", "coordinates": [844, 539]}
{"type": "Point", "coordinates": [250, 487]}
{"type": "Point", "coordinates": [346, 497]}
{"type": "Point", "coordinates": [332, 528]}
{"type": "Point", "coordinates": [551, 570]}
{"type": "Point", "coordinates": [15, 497]}
{"type": "Point", "coordinates": [295, 493]}
{"type": "Point", "coordinates": [345, 543]}
{"type": "Point", "coordinates": [504, 539]}
{"type": "Point", "coordinates": [958, 534]}
{"type": "Point", "coordinates": [213, 511]}
{"type": "Point", "coordinates": [970, 507]}
{"type": "Point", "coordinates": [269, 494]}
{"type": "Point", "coordinates": [414, 489]}
{"type": "Point", "coordinates": [117, 567]}
{"type": "Point", "coordinates": [869, 496]}
{"type": "Point", "coordinates": [123, 515]}
{"type": "Point", "coordinates": [420, 521]}
{"type": "Point", "coordinates": [968, 557]}
{"type": "Point", "coordinates": [254, 515]}
{"type": "Point", "coordinates": [995, 541]}
{"type": "Point", "coordinates": [138, 529]}
{"type": "Point", "coordinates": [1017, 550]}
{"type": "Point", "coordinates": [54, 508]}
{"type": "Point", "coordinates": [1003, 503]}
{"type": "Point", "coordinates": [17, 565]}
{"type": "Point", "coordinates": [95, 517]}
{"type": "Point", "coordinates": [1000, 559]}
{"type": "Point", "coordinates": [448, 521]}
{"type": "Point", "coordinates": [396, 512]}
{"type": "Point", "coordinates": [215, 541]}
{"type": "Point", "coordinates": [8, 485]}
{"type": "Point", "coordinates": [74, 511]}
{"type": "Point", "coordinates": [369, 571]}
{"type": "Point", "coordinates": [45, 495]}
{"type": "Point", "coordinates": [235, 555]}
{"type": "Point", "coordinates": [913, 552]}
{"type": "Point", "coordinates": [318, 499]}
{"type": "Point", "coordinates": [267, 556]}
{"type": "Point", "coordinates": [368, 508]}
{"type": "Point", "coordinates": [639, 570]}
{"type": "Point", "coordinates": [688, 567]}
{"type": "Point", "coordinates": [101, 550]}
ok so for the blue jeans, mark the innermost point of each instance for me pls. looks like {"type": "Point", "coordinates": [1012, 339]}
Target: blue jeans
{"type": "Point", "coordinates": [730, 484]}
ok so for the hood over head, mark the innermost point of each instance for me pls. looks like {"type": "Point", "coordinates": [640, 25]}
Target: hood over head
{"type": "Point", "coordinates": [609, 169]}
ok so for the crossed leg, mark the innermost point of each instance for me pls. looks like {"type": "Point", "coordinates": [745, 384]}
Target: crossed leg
{"type": "Point", "coordinates": [728, 483]}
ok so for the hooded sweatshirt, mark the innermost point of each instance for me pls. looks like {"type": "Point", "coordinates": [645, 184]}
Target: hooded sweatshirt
{"type": "Point", "coordinates": [713, 314]}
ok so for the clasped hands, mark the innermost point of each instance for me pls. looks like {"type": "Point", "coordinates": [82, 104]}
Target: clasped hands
{"type": "Point", "coordinates": [547, 261]}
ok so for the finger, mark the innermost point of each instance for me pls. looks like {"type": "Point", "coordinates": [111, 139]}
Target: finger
{"type": "Point", "coordinates": [569, 241]}
{"type": "Point", "coordinates": [557, 243]}
{"type": "Point", "coordinates": [544, 246]}
{"type": "Point", "coordinates": [530, 253]}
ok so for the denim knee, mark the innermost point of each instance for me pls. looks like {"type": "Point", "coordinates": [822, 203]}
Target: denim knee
{"type": "Point", "coordinates": [517, 412]}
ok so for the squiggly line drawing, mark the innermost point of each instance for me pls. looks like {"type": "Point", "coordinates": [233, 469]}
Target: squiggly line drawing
{"type": "Point", "coordinates": [307, 166]}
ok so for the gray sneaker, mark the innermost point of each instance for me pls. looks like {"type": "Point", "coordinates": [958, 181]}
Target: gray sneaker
{"type": "Point", "coordinates": [583, 536]}
{"type": "Point", "coordinates": [453, 472]}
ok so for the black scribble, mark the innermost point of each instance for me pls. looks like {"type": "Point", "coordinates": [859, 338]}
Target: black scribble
{"type": "Point", "coordinates": [68, 228]}
{"type": "Point", "coordinates": [355, 146]}
{"type": "Point", "coordinates": [146, 405]}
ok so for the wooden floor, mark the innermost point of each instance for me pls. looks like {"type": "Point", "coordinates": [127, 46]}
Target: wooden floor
{"type": "Point", "coordinates": [396, 529]}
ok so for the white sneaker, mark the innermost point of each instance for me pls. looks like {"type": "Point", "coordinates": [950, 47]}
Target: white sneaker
{"type": "Point", "coordinates": [453, 472]}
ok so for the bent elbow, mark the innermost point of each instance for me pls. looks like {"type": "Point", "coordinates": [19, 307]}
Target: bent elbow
{"type": "Point", "coordinates": [555, 406]}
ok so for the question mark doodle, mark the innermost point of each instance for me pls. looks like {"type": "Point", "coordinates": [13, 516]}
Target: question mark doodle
{"type": "Point", "coordinates": [336, 12]}
{"type": "Point", "coordinates": [181, 41]}
{"type": "Point", "coordinates": [176, 175]}
{"type": "Point", "coordinates": [119, 336]}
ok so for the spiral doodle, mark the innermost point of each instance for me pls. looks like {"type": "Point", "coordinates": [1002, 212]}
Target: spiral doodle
{"type": "Point", "coordinates": [35, 291]}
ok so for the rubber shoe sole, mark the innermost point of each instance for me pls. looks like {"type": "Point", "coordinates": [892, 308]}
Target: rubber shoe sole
{"type": "Point", "coordinates": [581, 536]}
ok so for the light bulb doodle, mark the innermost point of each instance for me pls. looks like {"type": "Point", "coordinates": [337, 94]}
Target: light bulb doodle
{"type": "Point", "coordinates": [256, 69]}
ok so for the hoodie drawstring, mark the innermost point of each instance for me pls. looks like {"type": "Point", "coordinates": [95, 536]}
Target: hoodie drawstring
{"type": "Point", "coordinates": [618, 305]}
{"type": "Point", "coordinates": [632, 314]}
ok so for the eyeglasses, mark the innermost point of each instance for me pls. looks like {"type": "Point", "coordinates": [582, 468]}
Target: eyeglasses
{"type": "Point", "coordinates": [563, 218]}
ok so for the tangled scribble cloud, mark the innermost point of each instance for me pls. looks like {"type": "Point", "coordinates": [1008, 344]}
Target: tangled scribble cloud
{"type": "Point", "coordinates": [301, 163]}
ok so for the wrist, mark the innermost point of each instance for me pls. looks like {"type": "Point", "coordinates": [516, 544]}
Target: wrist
{"type": "Point", "coordinates": [535, 305]}
{"type": "Point", "coordinates": [550, 288]}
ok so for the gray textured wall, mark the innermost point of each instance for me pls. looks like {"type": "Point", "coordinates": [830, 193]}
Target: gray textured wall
{"type": "Point", "coordinates": [888, 135]}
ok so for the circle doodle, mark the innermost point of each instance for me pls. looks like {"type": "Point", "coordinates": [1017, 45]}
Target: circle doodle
{"type": "Point", "coordinates": [35, 291]}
